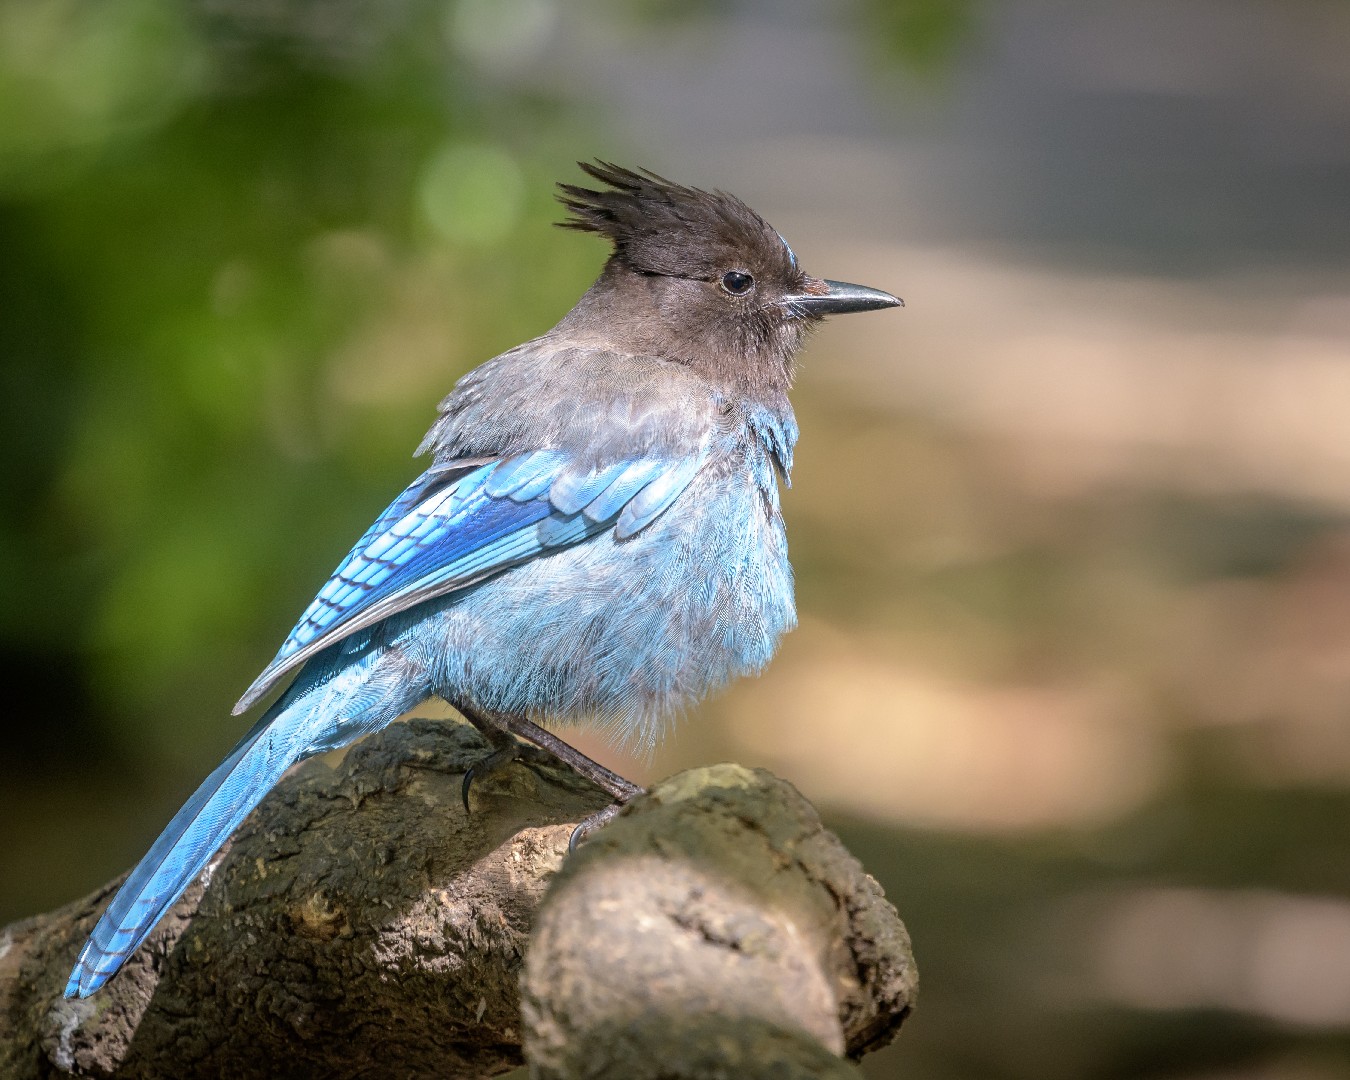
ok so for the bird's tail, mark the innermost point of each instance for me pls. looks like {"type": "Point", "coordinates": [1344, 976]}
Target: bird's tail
{"type": "Point", "coordinates": [327, 706]}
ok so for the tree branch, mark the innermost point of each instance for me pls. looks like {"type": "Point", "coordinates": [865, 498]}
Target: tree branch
{"type": "Point", "coordinates": [359, 925]}
{"type": "Point", "coordinates": [713, 929]}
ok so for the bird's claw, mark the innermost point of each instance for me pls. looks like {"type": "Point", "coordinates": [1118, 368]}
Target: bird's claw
{"type": "Point", "coordinates": [589, 825]}
{"type": "Point", "coordinates": [496, 760]}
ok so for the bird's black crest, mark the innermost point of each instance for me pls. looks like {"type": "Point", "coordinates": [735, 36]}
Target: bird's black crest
{"type": "Point", "coordinates": [661, 227]}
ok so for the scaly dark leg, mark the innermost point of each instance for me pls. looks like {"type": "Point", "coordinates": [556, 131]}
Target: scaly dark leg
{"type": "Point", "coordinates": [590, 824]}
{"type": "Point", "coordinates": [501, 733]}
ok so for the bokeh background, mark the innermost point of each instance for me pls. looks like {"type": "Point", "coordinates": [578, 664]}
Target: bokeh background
{"type": "Point", "coordinates": [1072, 531]}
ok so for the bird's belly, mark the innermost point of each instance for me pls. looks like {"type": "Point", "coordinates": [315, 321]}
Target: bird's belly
{"type": "Point", "coordinates": [620, 631]}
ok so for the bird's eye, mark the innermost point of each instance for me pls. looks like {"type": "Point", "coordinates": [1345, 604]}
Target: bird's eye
{"type": "Point", "coordinates": [737, 282]}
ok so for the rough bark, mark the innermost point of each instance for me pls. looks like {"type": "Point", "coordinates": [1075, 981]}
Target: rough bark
{"type": "Point", "coordinates": [714, 929]}
{"type": "Point", "coordinates": [359, 925]}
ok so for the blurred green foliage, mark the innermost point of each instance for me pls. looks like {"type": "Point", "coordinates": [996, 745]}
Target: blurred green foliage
{"type": "Point", "coordinates": [923, 35]}
{"type": "Point", "coordinates": [247, 248]}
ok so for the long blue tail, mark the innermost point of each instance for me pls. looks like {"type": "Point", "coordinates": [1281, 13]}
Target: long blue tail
{"type": "Point", "coordinates": [328, 706]}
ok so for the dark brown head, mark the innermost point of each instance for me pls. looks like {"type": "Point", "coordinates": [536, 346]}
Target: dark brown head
{"type": "Point", "coordinates": [700, 277]}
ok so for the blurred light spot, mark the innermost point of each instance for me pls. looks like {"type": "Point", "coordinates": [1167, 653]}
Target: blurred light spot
{"type": "Point", "coordinates": [1271, 657]}
{"type": "Point", "coordinates": [1273, 954]}
{"type": "Point", "coordinates": [472, 194]}
{"type": "Point", "coordinates": [352, 255]}
{"type": "Point", "coordinates": [76, 75]}
{"type": "Point", "coordinates": [411, 345]}
{"type": "Point", "coordinates": [232, 288]}
{"type": "Point", "coordinates": [501, 33]}
{"type": "Point", "coordinates": [867, 735]}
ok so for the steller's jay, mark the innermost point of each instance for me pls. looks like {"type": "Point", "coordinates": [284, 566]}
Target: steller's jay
{"type": "Point", "coordinates": [598, 536]}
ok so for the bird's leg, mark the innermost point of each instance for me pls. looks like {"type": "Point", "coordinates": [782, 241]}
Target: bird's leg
{"type": "Point", "coordinates": [502, 731]}
{"type": "Point", "coordinates": [622, 790]}
{"type": "Point", "coordinates": [505, 749]}
{"type": "Point", "coordinates": [590, 824]}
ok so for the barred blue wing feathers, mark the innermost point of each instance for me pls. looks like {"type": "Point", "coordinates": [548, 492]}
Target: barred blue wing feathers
{"type": "Point", "coordinates": [463, 521]}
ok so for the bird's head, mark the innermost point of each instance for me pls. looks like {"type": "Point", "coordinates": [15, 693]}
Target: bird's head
{"type": "Point", "coordinates": [699, 277]}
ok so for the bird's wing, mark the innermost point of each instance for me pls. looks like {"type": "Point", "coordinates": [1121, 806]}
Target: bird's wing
{"type": "Point", "coordinates": [463, 521]}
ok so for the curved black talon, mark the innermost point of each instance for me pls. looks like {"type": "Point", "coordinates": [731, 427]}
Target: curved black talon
{"type": "Point", "coordinates": [468, 782]}
{"type": "Point", "coordinates": [490, 764]}
{"type": "Point", "coordinates": [589, 825]}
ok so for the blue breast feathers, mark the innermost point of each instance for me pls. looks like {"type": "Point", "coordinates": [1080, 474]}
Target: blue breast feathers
{"type": "Point", "coordinates": [460, 522]}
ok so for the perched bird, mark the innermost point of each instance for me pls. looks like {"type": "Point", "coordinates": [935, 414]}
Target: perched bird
{"type": "Point", "coordinates": [597, 538]}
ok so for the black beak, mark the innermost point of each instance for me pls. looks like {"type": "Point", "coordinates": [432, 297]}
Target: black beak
{"type": "Point", "coordinates": [839, 298]}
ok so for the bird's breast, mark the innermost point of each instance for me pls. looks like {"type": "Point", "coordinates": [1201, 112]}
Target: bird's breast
{"type": "Point", "coordinates": [629, 630]}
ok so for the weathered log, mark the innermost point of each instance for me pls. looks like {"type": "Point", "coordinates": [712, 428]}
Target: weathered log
{"type": "Point", "coordinates": [360, 925]}
{"type": "Point", "coordinates": [714, 929]}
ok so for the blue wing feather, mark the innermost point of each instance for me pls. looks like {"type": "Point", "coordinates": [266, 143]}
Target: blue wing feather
{"type": "Point", "coordinates": [539, 485]}
{"type": "Point", "coordinates": [648, 504]}
{"type": "Point", "coordinates": [628, 483]}
{"type": "Point", "coordinates": [577, 487]}
{"type": "Point", "coordinates": [524, 470]}
{"type": "Point", "coordinates": [434, 479]}
{"type": "Point", "coordinates": [456, 525]}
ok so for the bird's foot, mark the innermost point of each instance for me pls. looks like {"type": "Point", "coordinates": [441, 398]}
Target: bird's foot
{"type": "Point", "coordinates": [507, 751]}
{"type": "Point", "coordinates": [589, 826]}
{"type": "Point", "coordinates": [619, 789]}
{"type": "Point", "coordinates": [494, 762]}
{"type": "Point", "coordinates": [540, 746]}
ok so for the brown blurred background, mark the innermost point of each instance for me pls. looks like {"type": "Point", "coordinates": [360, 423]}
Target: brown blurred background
{"type": "Point", "coordinates": [1072, 531]}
